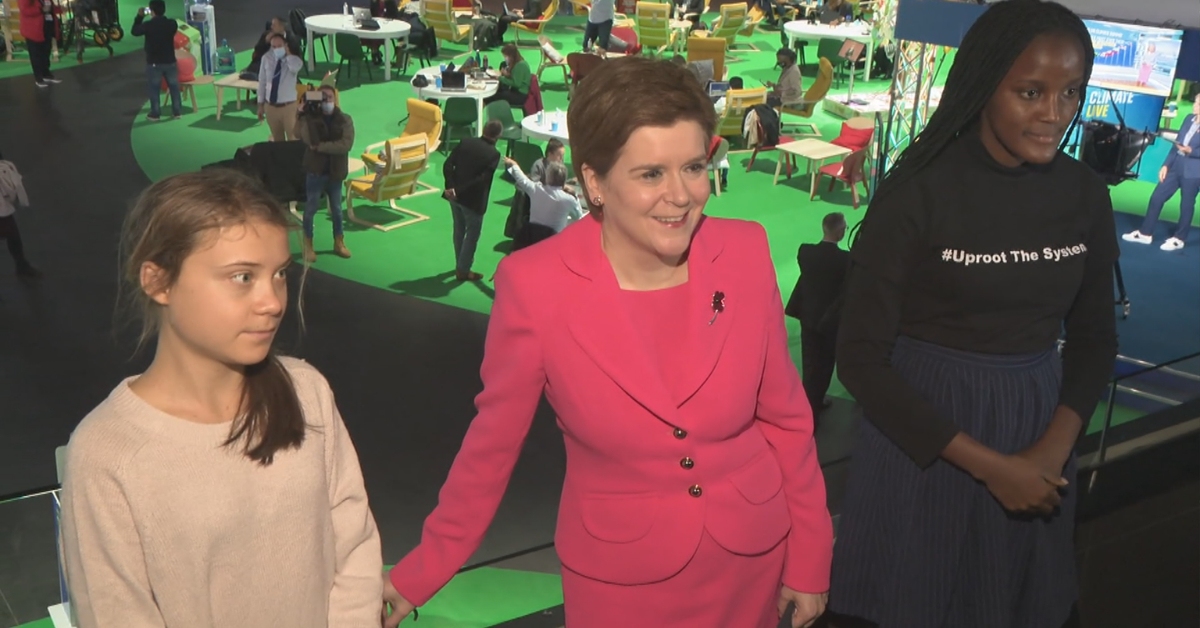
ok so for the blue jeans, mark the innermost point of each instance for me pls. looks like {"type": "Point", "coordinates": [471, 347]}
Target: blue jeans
{"type": "Point", "coordinates": [155, 73]}
{"type": "Point", "coordinates": [1163, 192]}
{"type": "Point", "coordinates": [467, 224]}
{"type": "Point", "coordinates": [315, 186]}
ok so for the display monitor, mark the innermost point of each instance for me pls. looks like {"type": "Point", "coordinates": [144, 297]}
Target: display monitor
{"type": "Point", "coordinates": [1131, 58]}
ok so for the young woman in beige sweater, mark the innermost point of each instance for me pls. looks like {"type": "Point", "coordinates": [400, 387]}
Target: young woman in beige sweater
{"type": "Point", "coordinates": [218, 488]}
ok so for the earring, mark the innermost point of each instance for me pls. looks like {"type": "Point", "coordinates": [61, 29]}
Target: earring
{"type": "Point", "coordinates": [596, 201]}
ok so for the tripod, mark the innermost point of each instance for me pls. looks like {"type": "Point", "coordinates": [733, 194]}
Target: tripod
{"type": "Point", "coordinates": [1122, 296]}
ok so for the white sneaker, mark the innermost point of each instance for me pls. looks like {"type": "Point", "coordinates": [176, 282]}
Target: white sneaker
{"type": "Point", "coordinates": [1172, 244]}
{"type": "Point", "coordinates": [1138, 237]}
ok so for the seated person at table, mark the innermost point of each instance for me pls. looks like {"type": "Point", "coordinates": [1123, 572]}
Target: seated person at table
{"type": "Point", "coordinates": [788, 90]}
{"type": "Point", "coordinates": [691, 10]}
{"type": "Point", "coordinates": [554, 154]}
{"type": "Point", "coordinates": [551, 208]}
{"type": "Point", "coordinates": [515, 77]}
{"type": "Point", "coordinates": [532, 11]}
{"type": "Point", "coordinates": [834, 12]}
{"type": "Point", "coordinates": [277, 26]}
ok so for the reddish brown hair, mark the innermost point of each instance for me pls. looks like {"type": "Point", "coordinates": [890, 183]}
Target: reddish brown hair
{"type": "Point", "coordinates": [621, 96]}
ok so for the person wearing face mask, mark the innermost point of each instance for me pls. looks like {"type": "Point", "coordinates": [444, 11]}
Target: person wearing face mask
{"type": "Point", "coordinates": [277, 76]}
{"type": "Point", "coordinates": [788, 90]}
{"type": "Point", "coordinates": [329, 135]}
{"type": "Point", "coordinates": [277, 26]}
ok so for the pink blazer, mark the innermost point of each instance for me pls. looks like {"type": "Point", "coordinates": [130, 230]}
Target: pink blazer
{"type": "Point", "coordinates": [632, 510]}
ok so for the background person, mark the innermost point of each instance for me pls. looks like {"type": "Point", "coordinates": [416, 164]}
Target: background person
{"type": "Point", "coordinates": [39, 31]}
{"type": "Point", "coordinates": [1180, 172]}
{"type": "Point", "coordinates": [959, 508]}
{"type": "Point", "coordinates": [823, 269]}
{"type": "Point", "coordinates": [12, 194]}
{"type": "Point", "coordinates": [278, 74]}
{"type": "Point", "coordinates": [159, 33]}
{"type": "Point", "coordinates": [692, 495]}
{"type": "Point", "coordinates": [468, 173]}
{"type": "Point", "coordinates": [328, 132]}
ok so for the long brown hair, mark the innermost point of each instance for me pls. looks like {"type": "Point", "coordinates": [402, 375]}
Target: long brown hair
{"type": "Point", "coordinates": [168, 222]}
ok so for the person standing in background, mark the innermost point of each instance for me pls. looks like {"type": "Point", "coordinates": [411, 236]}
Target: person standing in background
{"type": "Point", "coordinates": [823, 269]}
{"type": "Point", "coordinates": [468, 172]}
{"type": "Point", "coordinates": [159, 32]}
{"type": "Point", "coordinates": [599, 25]}
{"type": "Point", "coordinates": [329, 134]}
{"type": "Point", "coordinates": [277, 26]}
{"type": "Point", "coordinates": [12, 194]}
{"type": "Point", "coordinates": [37, 27]}
{"type": "Point", "coordinates": [1179, 173]}
{"type": "Point", "coordinates": [278, 73]}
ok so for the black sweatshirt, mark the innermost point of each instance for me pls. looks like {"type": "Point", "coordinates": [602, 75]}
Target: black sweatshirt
{"type": "Point", "coordinates": [159, 32]}
{"type": "Point", "coordinates": [971, 255]}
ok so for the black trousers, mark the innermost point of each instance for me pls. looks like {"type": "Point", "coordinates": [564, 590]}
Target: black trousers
{"type": "Point", "coordinates": [507, 94]}
{"type": "Point", "coordinates": [12, 236]}
{"type": "Point", "coordinates": [39, 52]}
{"type": "Point", "coordinates": [817, 349]}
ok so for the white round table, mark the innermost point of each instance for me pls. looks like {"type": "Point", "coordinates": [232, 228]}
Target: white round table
{"type": "Point", "coordinates": [333, 24]}
{"type": "Point", "coordinates": [545, 129]}
{"type": "Point", "coordinates": [478, 90]}
{"type": "Point", "coordinates": [858, 31]}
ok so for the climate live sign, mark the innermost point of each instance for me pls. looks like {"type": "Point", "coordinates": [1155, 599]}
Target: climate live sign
{"type": "Point", "coordinates": [1140, 112]}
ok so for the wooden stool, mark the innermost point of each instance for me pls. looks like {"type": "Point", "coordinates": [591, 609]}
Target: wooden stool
{"type": "Point", "coordinates": [188, 89]}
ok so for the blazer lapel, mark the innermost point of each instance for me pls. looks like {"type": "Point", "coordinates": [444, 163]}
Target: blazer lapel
{"type": "Point", "coordinates": [707, 328]}
{"type": "Point", "coordinates": [601, 325]}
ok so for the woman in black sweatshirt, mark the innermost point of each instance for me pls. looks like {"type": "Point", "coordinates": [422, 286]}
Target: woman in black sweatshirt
{"type": "Point", "coordinates": [982, 246]}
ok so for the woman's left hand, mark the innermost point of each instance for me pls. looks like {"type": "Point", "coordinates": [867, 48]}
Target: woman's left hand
{"type": "Point", "coordinates": [809, 606]}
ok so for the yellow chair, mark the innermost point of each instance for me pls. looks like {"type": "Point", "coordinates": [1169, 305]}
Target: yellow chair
{"type": "Point", "coordinates": [536, 26]}
{"type": "Point", "coordinates": [552, 58]}
{"type": "Point", "coordinates": [654, 26]}
{"type": "Point", "coordinates": [737, 101]}
{"type": "Point", "coordinates": [730, 24]}
{"type": "Point", "coordinates": [10, 27]}
{"type": "Point", "coordinates": [423, 119]}
{"type": "Point", "coordinates": [398, 176]}
{"type": "Point", "coordinates": [439, 15]}
{"type": "Point", "coordinates": [815, 94]}
{"type": "Point", "coordinates": [708, 48]}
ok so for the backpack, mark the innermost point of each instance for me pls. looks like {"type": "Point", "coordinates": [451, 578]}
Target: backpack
{"type": "Point", "coordinates": [423, 38]}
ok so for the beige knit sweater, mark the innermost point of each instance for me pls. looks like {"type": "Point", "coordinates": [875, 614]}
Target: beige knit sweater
{"type": "Point", "coordinates": [164, 527]}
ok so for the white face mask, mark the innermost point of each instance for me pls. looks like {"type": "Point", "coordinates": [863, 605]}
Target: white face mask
{"type": "Point", "coordinates": [327, 107]}
{"type": "Point", "coordinates": [278, 52]}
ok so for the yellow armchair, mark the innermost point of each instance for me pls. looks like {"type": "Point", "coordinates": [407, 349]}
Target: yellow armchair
{"type": "Point", "coordinates": [654, 26]}
{"type": "Point", "coordinates": [397, 175]}
{"type": "Point", "coordinates": [439, 15]}
{"type": "Point", "coordinates": [535, 26]}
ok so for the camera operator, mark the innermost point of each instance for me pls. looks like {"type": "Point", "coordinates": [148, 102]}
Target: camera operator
{"type": "Point", "coordinates": [329, 135]}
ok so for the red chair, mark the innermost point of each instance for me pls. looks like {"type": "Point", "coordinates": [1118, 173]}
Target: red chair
{"type": "Point", "coordinates": [851, 172]}
{"type": "Point", "coordinates": [580, 64]}
{"type": "Point", "coordinates": [533, 101]}
{"type": "Point", "coordinates": [629, 36]}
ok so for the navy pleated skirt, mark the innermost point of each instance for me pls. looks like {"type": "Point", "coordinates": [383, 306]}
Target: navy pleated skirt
{"type": "Point", "coordinates": [932, 548]}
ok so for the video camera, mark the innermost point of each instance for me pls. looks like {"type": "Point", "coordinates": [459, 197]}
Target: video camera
{"type": "Point", "coordinates": [312, 101]}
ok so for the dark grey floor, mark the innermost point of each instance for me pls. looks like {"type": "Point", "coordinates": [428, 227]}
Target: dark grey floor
{"type": "Point", "coordinates": [405, 371]}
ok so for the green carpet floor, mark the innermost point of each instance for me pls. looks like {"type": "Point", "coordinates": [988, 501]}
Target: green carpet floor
{"type": "Point", "coordinates": [475, 599]}
{"type": "Point", "coordinates": [19, 66]}
{"type": "Point", "coordinates": [418, 260]}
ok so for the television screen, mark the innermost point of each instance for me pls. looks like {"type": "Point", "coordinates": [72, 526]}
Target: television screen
{"type": "Point", "coordinates": [1139, 59]}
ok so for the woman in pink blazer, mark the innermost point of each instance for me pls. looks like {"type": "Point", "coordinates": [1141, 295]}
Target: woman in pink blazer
{"type": "Point", "coordinates": [692, 496]}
